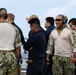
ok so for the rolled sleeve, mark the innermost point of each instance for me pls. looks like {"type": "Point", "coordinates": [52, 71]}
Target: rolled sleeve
{"type": "Point", "coordinates": [50, 45]}
{"type": "Point", "coordinates": [74, 50]}
{"type": "Point", "coordinates": [49, 50]}
{"type": "Point", "coordinates": [18, 39]}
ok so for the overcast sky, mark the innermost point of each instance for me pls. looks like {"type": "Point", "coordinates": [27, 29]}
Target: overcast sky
{"type": "Point", "coordinates": [42, 8]}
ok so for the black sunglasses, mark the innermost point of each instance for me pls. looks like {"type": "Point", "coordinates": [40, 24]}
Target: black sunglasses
{"type": "Point", "coordinates": [58, 19]}
{"type": "Point", "coordinates": [72, 25]}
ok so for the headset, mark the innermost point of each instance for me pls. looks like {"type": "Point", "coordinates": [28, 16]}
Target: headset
{"type": "Point", "coordinates": [5, 14]}
{"type": "Point", "coordinates": [64, 18]}
{"type": "Point", "coordinates": [0, 12]}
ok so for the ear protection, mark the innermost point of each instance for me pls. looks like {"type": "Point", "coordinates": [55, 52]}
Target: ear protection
{"type": "Point", "coordinates": [0, 12]}
{"type": "Point", "coordinates": [64, 19]}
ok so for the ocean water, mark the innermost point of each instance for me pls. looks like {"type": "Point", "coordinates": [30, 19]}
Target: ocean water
{"type": "Point", "coordinates": [24, 59]}
{"type": "Point", "coordinates": [24, 55]}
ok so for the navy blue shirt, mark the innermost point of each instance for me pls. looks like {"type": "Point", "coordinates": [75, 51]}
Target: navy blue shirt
{"type": "Point", "coordinates": [30, 33]}
{"type": "Point", "coordinates": [38, 43]}
{"type": "Point", "coordinates": [21, 33]}
{"type": "Point", "coordinates": [48, 31]}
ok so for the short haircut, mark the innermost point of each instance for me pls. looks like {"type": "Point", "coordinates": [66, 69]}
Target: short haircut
{"type": "Point", "coordinates": [34, 21]}
{"type": "Point", "coordinates": [11, 16]}
{"type": "Point", "coordinates": [3, 13]}
{"type": "Point", "coordinates": [50, 20]}
{"type": "Point", "coordinates": [73, 21]}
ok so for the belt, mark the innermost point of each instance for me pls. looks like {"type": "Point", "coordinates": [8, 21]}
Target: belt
{"type": "Point", "coordinates": [4, 51]}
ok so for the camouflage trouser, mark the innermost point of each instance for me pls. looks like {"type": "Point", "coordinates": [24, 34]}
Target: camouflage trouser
{"type": "Point", "coordinates": [62, 66]}
{"type": "Point", "coordinates": [8, 63]}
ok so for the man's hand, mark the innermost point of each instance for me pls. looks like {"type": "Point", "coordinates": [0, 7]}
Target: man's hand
{"type": "Point", "coordinates": [48, 59]}
{"type": "Point", "coordinates": [30, 48]}
{"type": "Point", "coordinates": [73, 59]}
{"type": "Point", "coordinates": [25, 51]}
